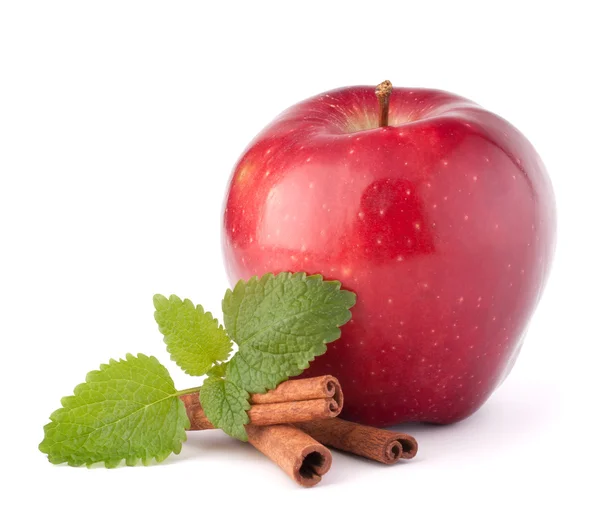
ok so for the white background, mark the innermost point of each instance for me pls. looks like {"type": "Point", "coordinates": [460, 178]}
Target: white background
{"type": "Point", "coordinates": [119, 125]}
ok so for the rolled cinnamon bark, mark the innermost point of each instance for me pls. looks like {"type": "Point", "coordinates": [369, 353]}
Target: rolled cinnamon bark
{"type": "Point", "coordinates": [377, 444]}
{"type": "Point", "coordinates": [322, 387]}
{"type": "Point", "coordinates": [292, 412]}
{"type": "Point", "coordinates": [297, 454]}
{"type": "Point", "coordinates": [195, 414]}
{"type": "Point", "coordinates": [267, 414]}
{"type": "Point", "coordinates": [300, 456]}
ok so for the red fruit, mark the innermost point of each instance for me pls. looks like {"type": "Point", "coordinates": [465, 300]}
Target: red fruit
{"type": "Point", "coordinates": [442, 223]}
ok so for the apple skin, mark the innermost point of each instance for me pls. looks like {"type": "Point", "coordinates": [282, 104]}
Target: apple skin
{"type": "Point", "coordinates": [442, 223]}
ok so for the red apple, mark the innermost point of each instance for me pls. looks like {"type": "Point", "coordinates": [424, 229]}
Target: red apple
{"type": "Point", "coordinates": [443, 223]}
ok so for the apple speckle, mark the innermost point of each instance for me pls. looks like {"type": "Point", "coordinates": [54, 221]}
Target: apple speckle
{"type": "Point", "coordinates": [364, 189]}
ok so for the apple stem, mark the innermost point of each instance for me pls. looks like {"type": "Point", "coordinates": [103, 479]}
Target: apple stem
{"type": "Point", "coordinates": [383, 92]}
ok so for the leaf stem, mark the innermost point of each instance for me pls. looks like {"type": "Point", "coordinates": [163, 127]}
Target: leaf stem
{"type": "Point", "coordinates": [189, 390]}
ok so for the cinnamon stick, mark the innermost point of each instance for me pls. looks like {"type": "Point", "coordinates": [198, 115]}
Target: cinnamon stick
{"type": "Point", "coordinates": [195, 414]}
{"type": "Point", "coordinates": [377, 444]}
{"type": "Point", "coordinates": [300, 456]}
{"type": "Point", "coordinates": [267, 414]}
{"type": "Point", "coordinates": [293, 412]}
{"type": "Point", "coordinates": [325, 386]}
{"type": "Point", "coordinates": [295, 452]}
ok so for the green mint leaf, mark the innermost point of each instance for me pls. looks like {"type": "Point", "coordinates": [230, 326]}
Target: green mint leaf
{"type": "Point", "coordinates": [127, 410]}
{"type": "Point", "coordinates": [225, 405]}
{"type": "Point", "coordinates": [281, 323]}
{"type": "Point", "coordinates": [194, 338]}
{"type": "Point", "coordinates": [218, 370]}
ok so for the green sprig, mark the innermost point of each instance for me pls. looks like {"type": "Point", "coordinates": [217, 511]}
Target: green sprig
{"type": "Point", "coordinates": [129, 410]}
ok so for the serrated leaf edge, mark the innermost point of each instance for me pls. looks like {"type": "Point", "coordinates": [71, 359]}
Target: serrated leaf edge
{"type": "Point", "coordinates": [174, 298]}
{"type": "Point", "coordinates": [115, 462]}
{"type": "Point", "coordinates": [243, 284]}
{"type": "Point", "coordinates": [246, 406]}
